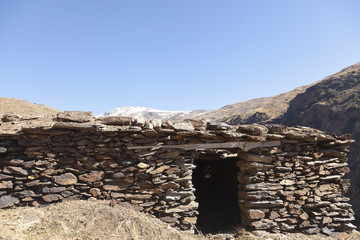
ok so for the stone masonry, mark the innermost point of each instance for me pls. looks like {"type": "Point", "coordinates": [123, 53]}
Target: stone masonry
{"type": "Point", "coordinates": [290, 179]}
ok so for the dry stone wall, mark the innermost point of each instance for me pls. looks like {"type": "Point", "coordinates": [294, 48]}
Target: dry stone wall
{"type": "Point", "coordinates": [289, 179]}
{"type": "Point", "coordinates": [297, 186]}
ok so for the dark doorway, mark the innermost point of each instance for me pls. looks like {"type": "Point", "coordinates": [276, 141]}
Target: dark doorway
{"type": "Point", "coordinates": [215, 182]}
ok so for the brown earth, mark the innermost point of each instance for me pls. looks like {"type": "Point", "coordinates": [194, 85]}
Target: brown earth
{"type": "Point", "coordinates": [24, 109]}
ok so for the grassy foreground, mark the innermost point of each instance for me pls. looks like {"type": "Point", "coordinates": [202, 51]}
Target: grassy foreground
{"type": "Point", "coordinates": [84, 220]}
{"type": "Point", "coordinates": [98, 220]}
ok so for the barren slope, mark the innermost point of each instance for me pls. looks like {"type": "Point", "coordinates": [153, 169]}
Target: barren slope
{"type": "Point", "coordinates": [258, 110]}
{"type": "Point", "coordinates": [24, 109]}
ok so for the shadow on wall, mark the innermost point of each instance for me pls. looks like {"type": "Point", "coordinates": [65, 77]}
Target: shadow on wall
{"type": "Point", "coordinates": [215, 182]}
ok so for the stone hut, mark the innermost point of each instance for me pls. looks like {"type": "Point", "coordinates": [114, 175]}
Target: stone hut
{"type": "Point", "coordinates": [215, 176]}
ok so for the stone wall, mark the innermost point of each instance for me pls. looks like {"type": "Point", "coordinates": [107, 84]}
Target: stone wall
{"type": "Point", "coordinates": [289, 179]}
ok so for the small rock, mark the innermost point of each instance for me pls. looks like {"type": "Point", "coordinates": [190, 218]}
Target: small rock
{"type": "Point", "coordinates": [286, 227]}
{"type": "Point", "coordinates": [117, 195]}
{"type": "Point", "coordinates": [290, 198]}
{"type": "Point", "coordinates": [253, 129]}
{"type": "Point", "coordinates": [95, 192]}
{"type": "Point", "coordinates": [167, 125]}
{"type": "Point", "coordinates": [6, 185]}
{"type": "Point", "coordinates": [143, 165]}
{"type": "Point", "coordinates": [15, 162]}
{"type": "Point", "coordinates": [255, 214]}
{"type": "Point", "coordinates": [8, 201]}
{"type": "Point", "coordinates": [159, 170]}
{"type": "Point", "coordinates": [274, 215]}
{"type": "Point", "coordinates": [118, 175]}
{"type": "Point", "coordinates": [172, 171]}
{"type": "Point", "coordinates": [53, 189]}
{"type": "Point", "coordinates": [304, 224]}
{"type": "Point", "coordinates": [169, 185]}
{"type": "Point", "coordinates": [304, 216]}
{"type": "Point", "coordinates": [184, 127]}
{"type": "Point", "coordinates": [312, 230]}
{"type": "Point", "coordinates": [93, 176]}
{"type": "Point", "coordinates": [156, 123]}
{"type": "Point", "coordinates": [326, 220]}
{"type": "Point", "coordinates": [191, 220]}
{"type": "Point", "coordinates": [65, 179]}
{"type": "Point", "coordinates": [25, 193]}
{"type": "Point", "coordinates": [263, 224]}
{"type": "Point", "coordinates": [119, 186]}
{"type": "Point", "coordinates": [52, 197]}
{"type": "Point", "coordinates": [33, 183]}
{"type": "Point", "coordinates": [116, 120]}
{"type": "Point", "coordinates": [16, 170]}
{"type": "Point", "coordinates": [129, 196]}
{"type": "Point", "coordinates": [66, 194]}
{"type": "Point", "coordinates": [5, 177]}
{"type": "Point", "coordinates": [326, 230]}
{"type": "Point", "coordinates": [140, 121]}
{"type": "Point", "coordinates": [287, 182]}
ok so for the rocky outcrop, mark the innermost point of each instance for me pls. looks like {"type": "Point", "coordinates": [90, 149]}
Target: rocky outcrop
{"type": "Point", "coordinates": [289, 179]}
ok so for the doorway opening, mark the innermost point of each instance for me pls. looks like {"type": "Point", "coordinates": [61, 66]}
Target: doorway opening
{"type": "Point", "coordinates": [215, 181]}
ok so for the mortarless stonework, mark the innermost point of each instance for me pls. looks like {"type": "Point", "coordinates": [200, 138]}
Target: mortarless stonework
{"type": "Point", "coordinates": [289, 179]}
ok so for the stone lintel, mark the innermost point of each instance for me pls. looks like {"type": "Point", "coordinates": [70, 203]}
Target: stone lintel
{"type": "Point", "coordinates": [246, 145]}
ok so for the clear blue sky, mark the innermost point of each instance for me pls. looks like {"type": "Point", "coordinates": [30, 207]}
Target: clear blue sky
{"type": "Point", "coordinates": [170, 54]}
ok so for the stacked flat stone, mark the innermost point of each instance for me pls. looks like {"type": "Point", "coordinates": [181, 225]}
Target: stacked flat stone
{"type": "Point", "coordinates": [290, 179]}
{"type": "Point", "coordinates": [298, 186]}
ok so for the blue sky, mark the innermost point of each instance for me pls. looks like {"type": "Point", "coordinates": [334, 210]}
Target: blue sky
{"type": "Point", "coordinates": [170, 54]}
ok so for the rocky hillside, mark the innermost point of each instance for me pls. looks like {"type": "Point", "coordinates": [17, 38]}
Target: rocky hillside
{"type": "Point", "coordinates": [259, 110]}
{"type": "Point", "coordinates": [333, 105]}
{"type": "Point", "coordinates": [16, 108]}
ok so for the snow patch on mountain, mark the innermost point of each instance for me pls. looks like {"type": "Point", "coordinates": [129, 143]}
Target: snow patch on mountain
{"type": "Point", "coordinates": [152, 113]}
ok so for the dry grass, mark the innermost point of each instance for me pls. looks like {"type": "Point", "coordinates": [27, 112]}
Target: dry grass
{"type": "Point", "coordinates": [84, 220]}
{"type": "Point", "coordinates": [98, 220]}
